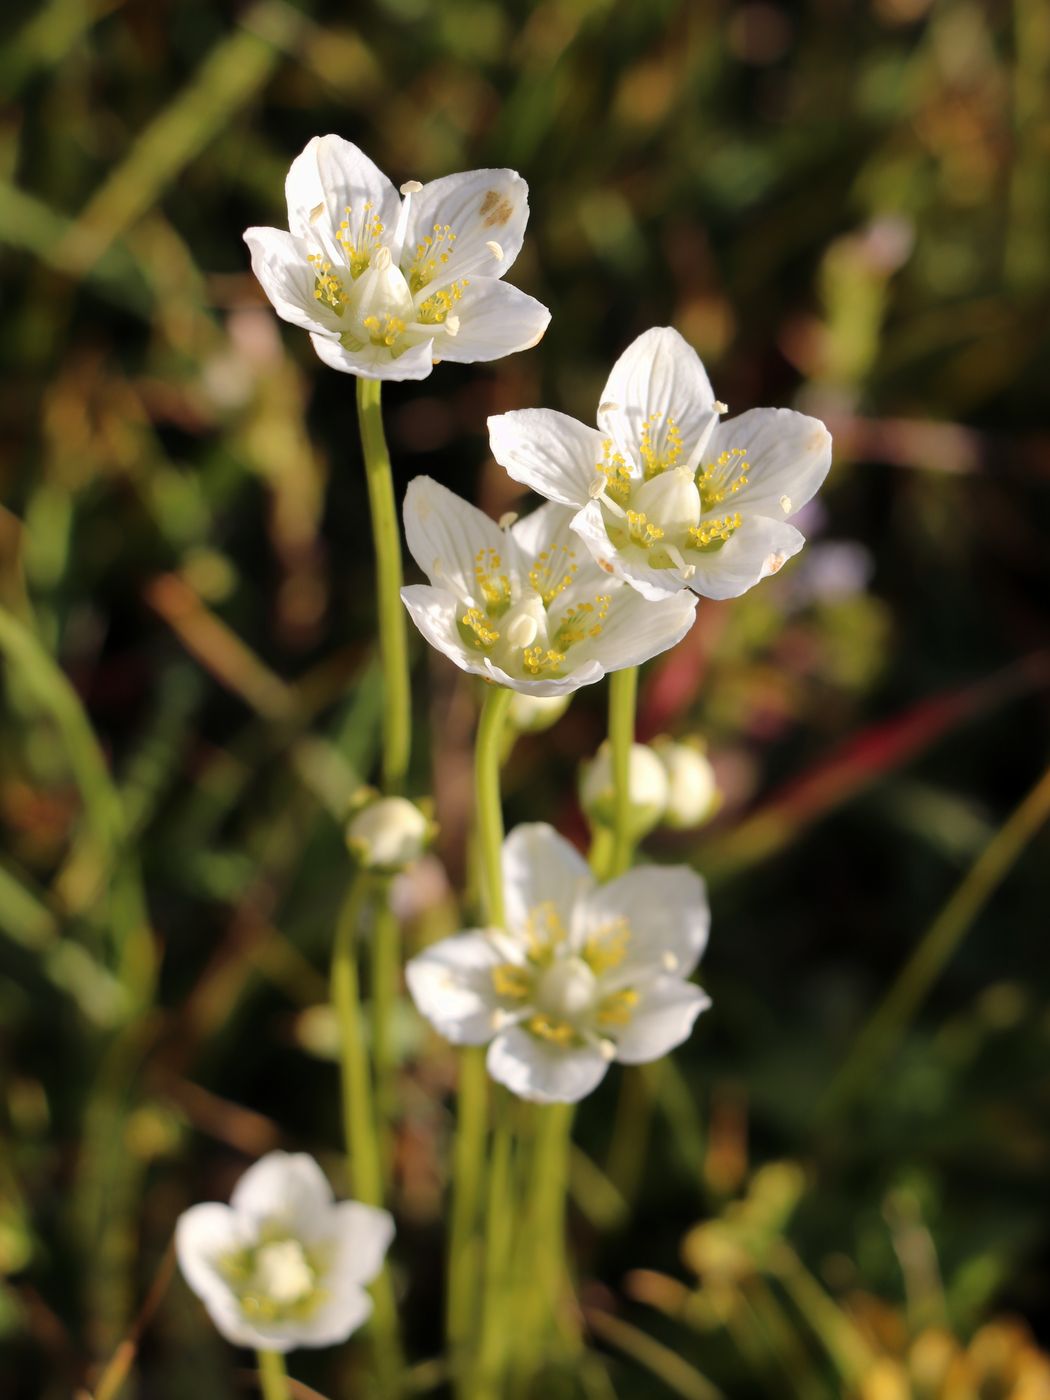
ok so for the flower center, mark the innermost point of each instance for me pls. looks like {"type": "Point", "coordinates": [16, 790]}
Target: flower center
{"type": "Point", "coordinates": [566, 990]}
{"type": "Point", "coordinates": [283, 1273]}
{"type": "Point", "coordinates": [359, 254]}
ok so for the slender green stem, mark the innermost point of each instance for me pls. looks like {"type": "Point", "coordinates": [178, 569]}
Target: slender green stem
{"type": "Point", "coordinates": [623, 698]}
{"type": "Point", "coordinates": [386, 967]}
{"type": "Point", "coordinates": [273, 1378]}
{"type": "Point", "coordinates": [386, 534]}
{"type": "Point", "coordinates": [359, 1118]}
{"type": "Point", "coordinates": [469, 1148]}
{"type": "Point", "coordinates": [499, 1217]}
{"type": "Point", "coordinates": [544, 1240]}
{"type": "Point", "coordinates": [886, 1024]}
{"type": "Point", "coordinates": [488, 809]}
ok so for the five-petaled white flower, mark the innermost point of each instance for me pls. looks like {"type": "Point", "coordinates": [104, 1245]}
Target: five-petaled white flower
{"type": "Point", "coordinates": [667, 495]}
{"type": "Point", "coordinates": [520, 603]}
{"type": "Point", "coordinates": [388, 286]}
{"type": "Point", "coordinates": [581, 975]}
{"type": "Point", "coordinates": [283, 1265]}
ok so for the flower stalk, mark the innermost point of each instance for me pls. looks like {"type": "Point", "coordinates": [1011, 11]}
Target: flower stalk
{"type": "Point", "coordinates": [273, 1378]}
{"type": "Point", "coordinates": [360, 1123]}
{"type": "Point", "coordinates": [393, 643]}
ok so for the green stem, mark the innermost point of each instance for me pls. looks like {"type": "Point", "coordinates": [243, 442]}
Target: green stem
{"type": "Point", "coordinates": [386, 534]}
{"type": "Point", "coordinates": [544, 1239]}
{"type": "Point", "coordinates": [623, 697]}
{"type": "Point", "coordinates": [499, 1218]}
{"type": "Point", "coordinates": [469, 1148]}
{"type": "Point", "coordinates": [886, 1024]}
{"type": "Point", "coordinates": [488, 810]}
{"type": "Point", "coordinates": [386, 966]}
{"type": "Point", "coordinates": [364, 1162]}
{"type": "Point", "coordinates": [273, 1377]}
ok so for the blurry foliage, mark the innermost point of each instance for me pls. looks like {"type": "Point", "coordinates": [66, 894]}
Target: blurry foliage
{"type": "Point", "coordinates": [842, 207]}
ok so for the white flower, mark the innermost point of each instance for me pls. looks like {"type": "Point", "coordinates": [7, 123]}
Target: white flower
{"type": "Point", "coordinates": [522, 604]}
{"type": "Point", "coordinates": [692, 789]}
{"type": "Point", "coordinates": [283, 1265]}
{"type": "Point", "coordinates": [646, 789]}
{"type": "Point", "coordinates": [387, 287]}
{"type": "Point", "coordinates": [388, 834]}
{"type": "Point", "coordinates": [582, 974]}
{"type": "Point", "coordinates": [668, 496]}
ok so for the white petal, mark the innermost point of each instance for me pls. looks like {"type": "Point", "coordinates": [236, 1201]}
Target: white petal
{"type": "Point", "coordinates": [658, 374]}
{"type": "Point", "coordinates": [550, 452]}
{"type": "Point", "coordinates": [445, 534]}
{"type": "Point", "coordinates": [653, 584]}
{"type": "Point", "coordinates": [288, 1188]}
{"type": "Point", "coordinates": [587, 674]}
{"type": "Point", "coordinates": [345, 1309]}
{"type": "Point", "coordinates": [636, 629]}
{"type": "Point", "coordinates": [360, 1236]}
{"type": "Point", "coordinates": [203, 1236]}
{"type": "Point", "coordinates": [667, 910]}
{"type": "Point", "coordinates": [541, 867]}
{"type": "Point", "coordinates": [494, 320]}
{"type": "Point", "coordinates": [375, 361]}
{"type": "Point", "coordinates": [435, 613]}
{"type": "Point", "coordinates": [304, 194]}
{"type": "Point", "coordinates": [788, 457]}
{"type": "Point", "coordinates": [548, 530]}
{"type": "Point", "coordinates": [451, 985]}
{"type": "Point", "coordinates": [481, 207]}
{"type": "Point", "coordinates": [279, 262]}
{"type": "Point", "coordinates": [537, 1070]}
{"type": "Point", "coordinates": [349, 178]}
{"type": "Point", "coordinates": [759, 548]}
{"type": "Point", "coordinates": [663, 1018]}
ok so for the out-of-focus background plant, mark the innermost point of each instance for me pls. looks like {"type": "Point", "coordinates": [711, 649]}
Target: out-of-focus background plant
{"type": "Point", "coordinates": [839, 1187]}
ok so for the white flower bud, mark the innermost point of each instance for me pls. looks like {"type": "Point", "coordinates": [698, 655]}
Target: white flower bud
{"type": "Point", "coordinates": [647, 785]}
{"type": "Point", "coordinates": [388, 834]}
{"type": "Point", "coordinates": [529, 714]}
{"type": "Point", "coordinates": [692, 789]}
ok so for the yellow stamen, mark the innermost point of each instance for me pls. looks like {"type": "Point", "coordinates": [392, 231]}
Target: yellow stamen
{"type": "Point", "coordinates": [607, 947]}
{"type": "Point", "coordinates": [480, 633]}
{"type": "Point", "coordinates": [542, 574]}
{"type": "Point", "coordinates": [617, 474]}
{"type": "Point", "coordinates": [438, 305]}
{"type": "Point", "coordinates": [494, 586]}
{"type": "Point", "coordinates": [659, 452]}
{"type": "Point", "coordinates": [710, 535]}
{"type": "Point", "coordinates": [431, 255]}
{"type": "Point", "coordinates": [511, 981]}
{"type": "Point", "coordinates": [557, 1032]}
{"type": "Point", "coordinates": [722, 478]}
{"type": "Point", "coordinates": [617, 1009]}
{"type": "Point", "coordinates": [582, 621]}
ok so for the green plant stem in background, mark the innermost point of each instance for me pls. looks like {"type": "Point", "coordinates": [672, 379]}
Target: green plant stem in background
{"type": "Point", "coordinates": [273, 1377]}
{"type": "Point", "coordinates": [469, 1147]}
{"type": "Point", "coordinates": [360, 1128]}
{"type": "Point", "coordinates": [393, 641]}
{"type": "Point", "coordinates": [499, 1222]}
{"type": "Point", "coordinates": [887, 1023]}
{"type": "Point", "coordinates": [623, 698]}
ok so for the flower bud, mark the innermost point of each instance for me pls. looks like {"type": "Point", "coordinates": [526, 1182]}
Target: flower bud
{"type": "Point", "coordinates": [529, 714]}
{"type": "Point", "coordinates": [647, 785]}
{"type": "Point", "coordinates": [388, 834]}
{"type": "Point", "coordinates": [692, 789]}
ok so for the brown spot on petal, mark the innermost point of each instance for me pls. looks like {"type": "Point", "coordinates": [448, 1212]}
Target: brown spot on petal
{"type": "Point", "coordinates": [775, 563]}
{"type": "Point", "coordinates": [496, 209]}
{"type": "Point", "coordinates": [604, 564]}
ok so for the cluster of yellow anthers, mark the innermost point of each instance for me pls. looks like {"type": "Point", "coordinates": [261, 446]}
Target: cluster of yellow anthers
{"type": "Point", "coordinates": [642, 529]}
{"type": "Point", "coordinates": [475, 621]}
{"type": "Point", "coordinates": [713, 533]}
{"type": "Point", "coordinates": [660, 456]}
{"type": "Point", "coordinates": [537, 659]}
{"type": "Point", "coordinates": [431, 254]}
{"type": "Point", "coordinates": [717, 481]}
{"type": "Point", "coordinates": [543, 574]}
{"type": "Point", "coordinates": [603, 951]}
{"type": "Point", "coordinates": [438, 306]}
{"type": "Point", "coordinates": [494, 586]}
{"type": "Point", "coordinates": [384, 330]}
{"type": "Point", "coordinates": [327, 286]}
{"type": "Point", "coordinates": [584, 620]}
{"type": "Point", "coordinates": [358, 258]}
{"type": "Point", "coordinates": [616, 472]}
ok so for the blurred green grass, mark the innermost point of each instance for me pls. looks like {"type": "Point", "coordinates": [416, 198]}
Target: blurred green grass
{"type": "Point", "coordinates": [843, 208]}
